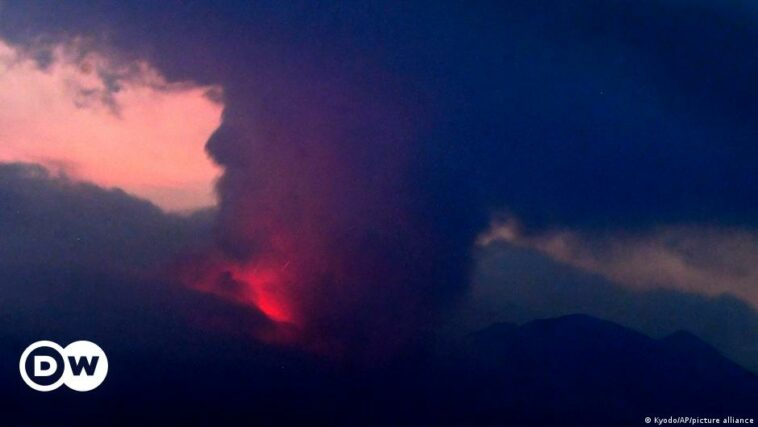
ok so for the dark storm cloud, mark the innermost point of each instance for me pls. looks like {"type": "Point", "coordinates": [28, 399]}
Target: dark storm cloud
{"type": "Point", "coordinates": [383, 136]}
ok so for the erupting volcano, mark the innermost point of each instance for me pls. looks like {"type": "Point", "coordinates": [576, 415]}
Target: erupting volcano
{"type": "Point", "coordinates": [324, 221]}
{"type": "Point", "coordinates": [339, 216]}
{"type": "Point", "coordinates": [263, 286]}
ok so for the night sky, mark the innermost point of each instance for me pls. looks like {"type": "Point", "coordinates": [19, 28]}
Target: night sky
{"type": "Point", "coordinates": [312, 213]}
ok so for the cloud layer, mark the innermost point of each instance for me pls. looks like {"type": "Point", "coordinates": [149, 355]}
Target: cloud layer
{"type": "Point", "coordinates": [702, 259]}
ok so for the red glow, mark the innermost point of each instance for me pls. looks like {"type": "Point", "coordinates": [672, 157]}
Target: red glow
{"type": "Point", "coordinates": [263, 286]}
{"type": "Point", "coordinates": [263, 291]}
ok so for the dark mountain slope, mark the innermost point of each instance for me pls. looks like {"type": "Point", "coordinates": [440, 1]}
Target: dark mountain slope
{"type": "Point", "coordinates": [579, 370]}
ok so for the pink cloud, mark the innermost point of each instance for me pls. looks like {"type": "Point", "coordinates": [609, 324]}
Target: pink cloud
{"type": "Point", "coordinates": [113, 123]}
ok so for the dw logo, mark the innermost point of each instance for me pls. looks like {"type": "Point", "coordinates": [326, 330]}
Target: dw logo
{"type": "Point", "coordinates": [45, 365]}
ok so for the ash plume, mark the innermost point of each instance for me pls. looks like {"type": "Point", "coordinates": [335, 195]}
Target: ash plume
{"type": "Point", "coordinates": [366, 147]}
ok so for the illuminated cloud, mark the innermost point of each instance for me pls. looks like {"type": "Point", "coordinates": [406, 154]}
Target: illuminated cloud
{"type": "Point", "coordinates": [119, 124]}
{"type": "Point", "coordinates": [702, 259]}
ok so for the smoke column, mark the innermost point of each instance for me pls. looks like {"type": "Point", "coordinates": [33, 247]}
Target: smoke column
{"type": "Point", "coordinates": [326, 223]}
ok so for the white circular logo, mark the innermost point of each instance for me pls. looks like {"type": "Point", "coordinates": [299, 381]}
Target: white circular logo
{"type": "Point", "coordinates": [81, 366]}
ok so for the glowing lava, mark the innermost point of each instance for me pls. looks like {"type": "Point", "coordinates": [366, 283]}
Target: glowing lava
{"type": "Point", "coordinates": [263, 289]}
{"type": "Point", "coordinates": [258, 285]}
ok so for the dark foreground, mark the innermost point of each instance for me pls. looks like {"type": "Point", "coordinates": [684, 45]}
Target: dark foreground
{"type": "Point", "coordinates": [573, 370]}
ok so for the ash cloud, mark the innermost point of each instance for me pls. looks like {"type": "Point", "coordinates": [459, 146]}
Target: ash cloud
{"type": "Point", "coordinates": [365, 148]}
